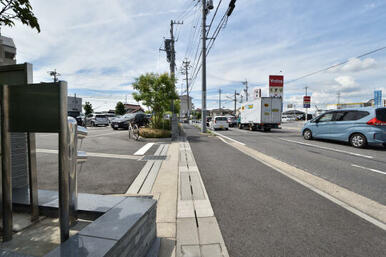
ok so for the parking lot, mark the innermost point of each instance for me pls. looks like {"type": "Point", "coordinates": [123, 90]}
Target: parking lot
{"type": "Point", "coordinates": [113, 162]}
{"type": "Point", "coordinates": [362, 171]}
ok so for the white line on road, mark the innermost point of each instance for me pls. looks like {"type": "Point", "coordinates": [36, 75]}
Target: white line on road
{"type": "Point", "coordinates": [327, 148]}
{"type": "Point", "coordinates": [373, 170]}
{"type": "Point", "coordinates": [319, 190]}
{"type": "Point", "coordinates": [90, 154]}
{"type": "Point", "coordinates": [228, 138]}
{"type": "Point", "coordinates": [144, 149]}
{"type": "Point", "coordinates": [115, 132]}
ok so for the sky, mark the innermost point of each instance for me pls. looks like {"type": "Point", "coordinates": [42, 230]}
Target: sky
{"type": "Point", "coordinates": [100, 46]}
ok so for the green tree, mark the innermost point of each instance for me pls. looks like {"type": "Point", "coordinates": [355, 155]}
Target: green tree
{"type": "Point", "coordinates": [21, 10]}
{"type": "Point", "coordinates": [155, 91]}
{"type": "Point", "coordinates": [120, 108]}
{"type": "Point", "coordinates": [177, 106]}
{"type": "Point", "coordinates": [88, 108]}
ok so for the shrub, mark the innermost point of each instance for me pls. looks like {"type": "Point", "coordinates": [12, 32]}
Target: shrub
{"type": "Point", "coordinates": [154, 133]}
{"type": "Point", "coordinates": [163, 124]}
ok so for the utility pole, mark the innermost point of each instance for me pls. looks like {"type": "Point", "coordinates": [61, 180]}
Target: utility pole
{"type": "Point", "coordinates": [203, 100]}
{"type": "Point", "coordinates": [54, 74]}
{"type": "Point", "coordinates": [219, 101]}
{"type": "Point", "coordinates": [338, 95]}
{"type": "Point", "coordinates": [186, 66]}
{"type": "Point", "coordinates": [246, 90]}
{"type": "Point", "coordinates": [235, 100]}
{"type": "Point", "coordinates": [173, 54]}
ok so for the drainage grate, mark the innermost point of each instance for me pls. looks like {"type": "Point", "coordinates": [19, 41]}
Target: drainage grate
{"type": "Point", "coordinates": [154, 158]}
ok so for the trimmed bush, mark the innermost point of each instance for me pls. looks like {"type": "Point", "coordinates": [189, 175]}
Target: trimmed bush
{"type": "Point", "coordinates": [154, 133]}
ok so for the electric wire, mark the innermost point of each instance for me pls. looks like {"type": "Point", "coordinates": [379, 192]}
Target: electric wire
{"type": "Point", "coordinates": [335, 65]}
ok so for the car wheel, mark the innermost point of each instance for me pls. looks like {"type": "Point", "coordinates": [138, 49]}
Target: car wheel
{"type": "Point", "coordinates": [115, 128]}
{"type": "Point", "coordinates": [267, 129]}
{"type": "Point", "coordinates": [307, 134]}
{"type": "Point", "coordinates": [226, 129]}
{"type": "Point", "coordinates": [358, 140]}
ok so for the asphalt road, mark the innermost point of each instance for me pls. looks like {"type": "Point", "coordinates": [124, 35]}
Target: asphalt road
{"type": "Point", "coordinates": [264, 213]}
{"type": "Point", "coordinates": [355, 169]}
{"type": "Point", "coordinates": [100, 175]}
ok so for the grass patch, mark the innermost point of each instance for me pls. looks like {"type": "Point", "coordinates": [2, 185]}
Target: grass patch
{"type": "Point", "coordinates": [154, 133]}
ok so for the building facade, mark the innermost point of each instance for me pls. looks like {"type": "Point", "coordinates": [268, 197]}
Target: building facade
{"type": "Point", "coordinates": [184, 104]}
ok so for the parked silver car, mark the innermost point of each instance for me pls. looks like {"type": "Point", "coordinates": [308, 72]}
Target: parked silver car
{"type": "Point", "coordinates": [97, 120]}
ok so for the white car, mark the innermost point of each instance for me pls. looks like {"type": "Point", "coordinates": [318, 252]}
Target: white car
{"type": "Point", "coordinates": [219, 122]}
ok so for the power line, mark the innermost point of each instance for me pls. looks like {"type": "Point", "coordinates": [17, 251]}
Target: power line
{"type": "Point", "coordinates": [214, 15]}
{"type": "Point", "coordinates": [336, 65]}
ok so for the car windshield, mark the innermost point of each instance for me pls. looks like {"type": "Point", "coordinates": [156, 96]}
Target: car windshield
{"type": "Point", "coordinates": [221, 118]}
{"type": "Point", "coordinates": [100, 116]}
{"type": "Point", "coordinates": [128, 116]}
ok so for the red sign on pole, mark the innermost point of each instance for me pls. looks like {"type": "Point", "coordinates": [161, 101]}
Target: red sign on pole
{"type": "Point", "coordinates": [306, 101]}
{"type": "Point", "coordinates": [276, 81]}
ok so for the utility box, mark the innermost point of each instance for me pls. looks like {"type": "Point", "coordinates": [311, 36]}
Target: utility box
{"type": "Point", "coordinates": [18, 74]}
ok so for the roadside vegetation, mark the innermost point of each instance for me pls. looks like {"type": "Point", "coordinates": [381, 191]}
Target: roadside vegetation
{"type": "Point", "coordinates": [157, 91]}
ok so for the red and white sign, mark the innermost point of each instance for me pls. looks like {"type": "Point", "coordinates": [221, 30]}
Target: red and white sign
{"type": "Point", "coordinates": [276, 83]}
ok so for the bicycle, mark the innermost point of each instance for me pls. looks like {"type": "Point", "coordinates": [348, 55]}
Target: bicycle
{"type": "Point", "coordinates": [133, 131]}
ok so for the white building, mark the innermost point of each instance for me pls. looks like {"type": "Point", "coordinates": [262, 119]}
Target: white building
{"type": "Point", "coordinates": [7, 51]}
{"type": "Point", "coordinates": [184, 105]}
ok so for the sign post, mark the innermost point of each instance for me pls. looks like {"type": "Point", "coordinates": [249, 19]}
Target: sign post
{"type": "Point", "coordinates": [306, 104]}
{"type": "Point", "coordinates": [276, 83]}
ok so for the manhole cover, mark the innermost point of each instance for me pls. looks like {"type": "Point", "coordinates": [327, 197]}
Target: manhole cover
{"type": "Point", "coordinates": [154, 158]}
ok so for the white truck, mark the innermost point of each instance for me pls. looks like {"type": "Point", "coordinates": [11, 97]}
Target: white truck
{"type": "Point", "coordinates": [262, 113]}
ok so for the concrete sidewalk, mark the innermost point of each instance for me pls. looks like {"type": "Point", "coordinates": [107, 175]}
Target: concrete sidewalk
{"type": "Point", "coordinates": [186, 223]}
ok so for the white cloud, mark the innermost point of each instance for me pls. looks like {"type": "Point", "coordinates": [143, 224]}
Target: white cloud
{"type": "Point", "coordinates": [355, 65]}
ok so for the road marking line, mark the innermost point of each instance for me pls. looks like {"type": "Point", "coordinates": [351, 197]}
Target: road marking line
{"type": "Point", "coordinates": [90, 154]}
{"type": "Point", "coordinates": [144, 149]}
{"type": "Point", "coordinates": [116, 132]}
{"type": "Point", "coordinates": [327, 148]}
{"type": "Point", "coordinates": [231, 139]}
{"type": "Point", "coordinates": [361, 206]}
{"type": "Point", "coordinates": [373, 170]}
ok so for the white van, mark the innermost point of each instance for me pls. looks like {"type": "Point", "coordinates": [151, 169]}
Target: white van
{"type": "Point", "coordinates": [219, 122]}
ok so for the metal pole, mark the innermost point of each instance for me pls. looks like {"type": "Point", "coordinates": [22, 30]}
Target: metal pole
{"type": "Point", "coordinates": [306, 118]}
{"type": "Point", "coordinates": [235, 102]}
{"type": "Point", "coordinates": [172, 61]}
{"type": "Point", "coordinates": [6, 167]}
{"type": "Point", "coordinates": [203, 114]}
{"type": "Point", "coordinates": [64, 206]}
{"type": "Point", "coordinates": [33, 176]}
{"type": "Point", "coordinates": [219, 101]}
{"type": "Point", "coordinates": [186, 63]}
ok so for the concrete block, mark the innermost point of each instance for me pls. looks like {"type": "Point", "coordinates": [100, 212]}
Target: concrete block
{"type": "Point", "coordinates": [189, 251]}
{"type": "Point", "coordinates": [119, 219]}
{"type": "Point", "coordinates": [81, 246]}
{"type": "Point", "coordinates": [187, 232]}
{"type": "Point", "coordinates": [185, 209]}
{"type": "Point", "coordinates": [213, 250]}
{"type": "Point", "coordinates": [185, 190]}
{"type": "Point", "coordinates": [198, 192]}
{"type": "Point", "coordinates": [203, 208]}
